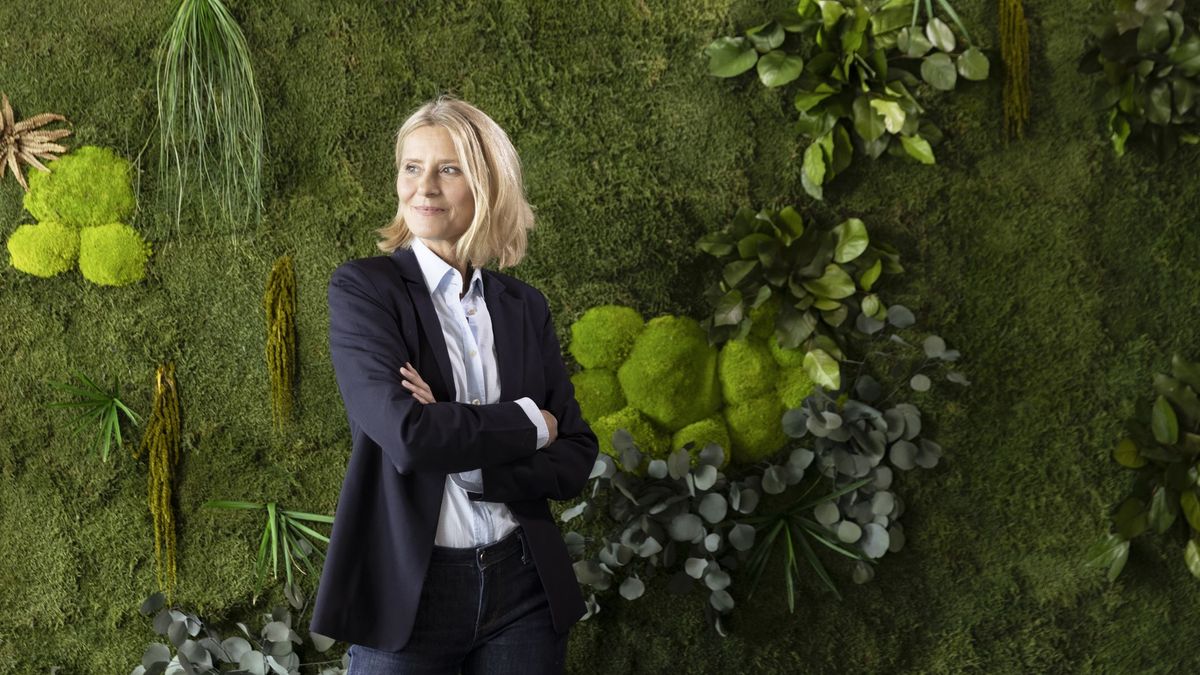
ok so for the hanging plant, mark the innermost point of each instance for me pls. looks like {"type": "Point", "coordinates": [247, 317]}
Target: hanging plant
{"type": "Point", "coordinates": [1150, 59]}
{"type": "Point", "coordinates": [854, 67]}
{"type": "Point", "coordinates": [161, 443]}
{"type": "Point", "coordinates": [1014, 51]}
{"type": "Point", "coordinates": [209, 112]}
{"type": "Point", "coordinates": [280, 305]}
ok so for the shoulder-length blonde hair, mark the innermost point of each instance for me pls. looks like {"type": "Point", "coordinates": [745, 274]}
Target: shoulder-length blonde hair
{"type": "Point", "coordinates": [492, 168]}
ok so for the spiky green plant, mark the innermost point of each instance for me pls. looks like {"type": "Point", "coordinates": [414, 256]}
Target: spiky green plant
{"type": "Point", "coordinates": [209, 112]}
{"type": "Point", "coordinates": [100, 407]}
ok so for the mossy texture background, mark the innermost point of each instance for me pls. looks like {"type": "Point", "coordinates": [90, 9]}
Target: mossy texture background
{"type": "Point", "coordinates": [1065, 276]}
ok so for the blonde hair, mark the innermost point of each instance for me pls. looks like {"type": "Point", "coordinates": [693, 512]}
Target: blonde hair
{"type": "Point", "coordinates": [492, 168]}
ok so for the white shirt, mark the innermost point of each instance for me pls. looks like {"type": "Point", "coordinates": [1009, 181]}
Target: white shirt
{"type": "Point", "coordinates": [467, 329]}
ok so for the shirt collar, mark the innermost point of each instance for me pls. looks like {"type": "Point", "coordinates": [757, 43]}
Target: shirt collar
{"type": "Point", "coordinates": [438, 273]}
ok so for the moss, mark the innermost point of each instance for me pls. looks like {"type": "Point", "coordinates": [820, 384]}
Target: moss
{"type": "Point", "coordinates": [671, 373]}
{"type": "Point", "coordinates": [708, 430]}
{"type": "Point", "coordinates": [603, 336]}
{"type": "Point", "coordinates": [755, 428]}
{"type": "Point", "coordinates": [44, 250]}
{"type": "Point", "coordinates": [598, 392]}
{"type": "Point", "coordinates": [89, 186]}
{"type": "Point", "coordinates": [786, 358]}
{"type": "Point", "coordinates": [794, 386]}
{"type": "Point", "coordinates": [651, 441]}
{"type": "Point", "coordinates": [762, 318]}
{"type": "Point", "coordinates": [746, 370]}
{"type": "Point", "coordinates": [112, 255]}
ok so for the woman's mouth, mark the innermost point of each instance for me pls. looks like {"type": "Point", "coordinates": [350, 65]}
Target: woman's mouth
{"type": "Point", "coordinates": [427, 210]}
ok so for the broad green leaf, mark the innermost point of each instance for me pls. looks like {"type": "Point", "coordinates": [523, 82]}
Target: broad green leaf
{"type": "Point", "coordinates": [1163, 509]}
{"type": "Point", "coordinates": [914, 45]}
{"type": "Point", "coordinates": [831, 12]}
{"type": "Point", "coordinates": [973, 65]}
{"type": "Point", "coordinates": [730, 56]}
{"type": "Point", "coordinates": [834, 284]}
{"type": "Point", "coordinates": [1158, 104]}
{"type": "Point", "coordinates": [870, 304]}
{"type": "Point", "coordinates": [823, 369]}
{"type": "Point", "coordinates": [1191, 557]}
{"type": "Point", "coordinates": [1154, 35]}
{"type": "Point", "coordinates": [871, 275]}
{"type": "Point", "coordinates": [777, 68]}
{"type": "Point", "coordinates": [1163, 422]}
{"type": "Point", "coordinates": [840, 151]}
{"type": "Point", "coordinates": [939, 71]}
{"type": "Point", "coordinates": [729, 310]}
{"type": "Point", "coordinates": [1191, 508]}
{"type": "Point", "coordinates": [1127, 455]}
{"type": "Point", "coordinates": [867, 124]}
{"type": "Point", "coordinates": [748, 246]}
{"type": "Point", "coordinates": [891, 112]}
{"type": "Point", "coordinates": [807, 100]}
{"type": "Point", "coordinates": [735, 271]}
{"type": "Point", "coordinates": [793, 221]}
{"type": "Point", "coordinates": [917, 148]}
{"type": "Point", "coordinates": [940, 34]}
{"type": "Point", "coordinates": [767, 36]}
{"type": "Point", "coordinates": [1109, 553]}
{"type": "Point", "coordinates": [852, 240]}
{"type": "Point", "coordinates": [814, 165]}
{"type": "Point", "coordinates": [1131, 518]}
{"type": "Point", "coordinates": [1119, 132]}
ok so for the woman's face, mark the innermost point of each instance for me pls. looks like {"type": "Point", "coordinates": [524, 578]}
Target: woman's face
{"type": "Point", "coordinates": [435, 197]}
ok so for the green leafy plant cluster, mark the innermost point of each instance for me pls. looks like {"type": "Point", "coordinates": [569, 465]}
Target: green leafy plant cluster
{"type": "Point", "coordinates": [1149, 55]}
{"type": "Point", "coordinates": [81, 205]}
{"type": "Point", "coordinates": [856, 67]}
{"type": "Point", "coordinates": [272, 651]}
{"type": "Point", "coordinates": [813, 282]}
{"type": "Point", "coordinates": [101, 409]}
{"type": "Point", "coordinates": [1166, 455]}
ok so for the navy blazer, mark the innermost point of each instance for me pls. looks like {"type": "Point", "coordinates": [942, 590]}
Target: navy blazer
{"type": "Point", "coordinates": [381, 315]}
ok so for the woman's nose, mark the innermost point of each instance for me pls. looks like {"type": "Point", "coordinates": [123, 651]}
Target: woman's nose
{"type": "Point", "coordinates": [427, 184]}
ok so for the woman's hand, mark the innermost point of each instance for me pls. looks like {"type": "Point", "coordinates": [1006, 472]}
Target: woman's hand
{"type": "Point", "coordinates": [414, 383]}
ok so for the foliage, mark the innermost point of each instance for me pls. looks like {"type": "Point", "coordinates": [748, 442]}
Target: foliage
{"type": "Point", "coordinates": [161, 443]}
{"type": "Point", "coordinates": [284, 530]}
{"type": "Point", "coordinates": [654, 441]}
{"type": "Point", "coordinates": [603, 336]}
{"type": "Point", "coordinates": [754, 430]}
{"type": "Point", "coordinates": [89, 186]}
{"type": "Point", "coordinates": [1150, 58]}
{"type": "Point", "coordinates": [670, 374]}
{"type": "Point", "coordinates": [45, 249]}
{"type": "Point", "coordinates": [1166, 455]}
{"type": "Point", "coordinates": [112, 255]}
{"type": "Point", "coordinates": [854, 66]}
{"type": "Point", "coordinates": [1014, 52]}
{"type": "Point", "coordinates": [209, 112]}
{"type": "Point", "coordinates": [598, 392]}
{"type": "Point", "coordinates": [25, 142]}
{"type": "Point", "coordinates": [101, 409]}
{"type": "Point", "coordinates": [279, 301]}
{"type": "Point", "coordinates": [822, 278]}
{"type": "Point", "coordinates": [272, 651]}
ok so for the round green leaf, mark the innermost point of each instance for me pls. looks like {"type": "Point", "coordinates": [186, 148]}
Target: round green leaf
{"type": "Point", "coordinates": [891, 112]}
{"type": "Point", "coordinates": [1164, 423]}
{"type": "Point", "coordinates": [1154, 34]}
{"type": "Point", "coordinates": [834, 284]}
{"type": "Point", "coordinates": [1191, 557]}
{"type": "Point", "coordinates": [870, 276]}
{"type": "Point", "coordinates": [938, 70]}
{"type": "Point", "coordinates": [940, 34]}
{"type": "Point", "coordinates": [867, 122]}
{"type": "Point", "coordinates": [1163, 509]}
{"type": "Point", "coordinates": [852, 240]}
{"type": "Point", "coordinates": [767, 36]}
{"type": "Point", "coordinates": [1131, 518]}
{"type": "Point", "coordinates": [918, 148]}
{"type": "Point", "coordinates": [777, 68]}
{"type": "Point", "coordinates": [730, 56]}
{"type": "Point", "coordinates": [973, 65]}
{"type": "Point", "coordinates": [823, 369]}
{"type": "Point", "coordinates": [1126, 454]}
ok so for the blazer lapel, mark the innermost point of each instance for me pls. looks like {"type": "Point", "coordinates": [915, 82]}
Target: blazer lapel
{"type": "Point", "coordinates": [508, 328]}
{"type": "Point", "coordinates": [427, 316]}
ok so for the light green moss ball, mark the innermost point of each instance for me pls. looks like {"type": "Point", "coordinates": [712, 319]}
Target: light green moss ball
{"type": "Point", "coordinates": [794, 386]}
{"type": "Point", "coordinates": [652, 442]}
{"type": "Point", "coordinates": [755, 428]}
{"type": "Point", "coordinates": [671, 373]}
{"type": "Point", "coordinates": [89, 186]}
{"type": "Point", "coordinates": [786, 358]}
{"type": "Point", "coordinates": [45, 249]}
{"type": "Point", "coordinates": [746, 370]}
{"type": "Point", "coordinates": [112, 255]}
{"type": "Point", "coordinates": [762, 318]}
{"type": "Point", "coordinates": [603, 336]}
{"type": "Point", "coordinates": [708, 430]}
{"type": "Point", "coordinates": [598, 392]}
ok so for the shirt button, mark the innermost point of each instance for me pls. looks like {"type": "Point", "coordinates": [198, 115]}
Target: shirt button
{"type": "Point", "coordinates": [473, 352]}
{"type": "Point", "coordinates": [474, 401]}
{"type": "Point", "coordinates": [471, 312]}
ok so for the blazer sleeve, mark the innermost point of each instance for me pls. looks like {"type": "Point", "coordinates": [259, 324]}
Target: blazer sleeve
{"type": "Point", "coordinates": [561, 469]}
{"type": "Point", "coordinates": [367, 350]}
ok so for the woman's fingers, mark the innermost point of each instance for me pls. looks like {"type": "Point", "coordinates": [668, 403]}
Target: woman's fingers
{"type": "Point", "coordinates": [414, 383]}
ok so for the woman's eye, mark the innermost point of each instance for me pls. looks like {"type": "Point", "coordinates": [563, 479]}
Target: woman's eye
{"type": "Point", "coordinates": [451, 169]}
{"type": "Point", "coordinates": [411, 168]}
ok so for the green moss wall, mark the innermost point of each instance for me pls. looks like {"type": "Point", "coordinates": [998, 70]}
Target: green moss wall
{"type": "Point", "coordinates": [1065, 276]}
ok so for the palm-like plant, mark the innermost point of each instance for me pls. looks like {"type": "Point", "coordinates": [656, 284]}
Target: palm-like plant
{"type": "Point", "coordinates": [101, 408]}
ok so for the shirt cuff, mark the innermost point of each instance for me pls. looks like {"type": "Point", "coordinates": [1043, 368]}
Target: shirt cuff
{"type": "Point", "coordinates": [535, 416]}
{"type": "Point", "coordinates": [471, 481]}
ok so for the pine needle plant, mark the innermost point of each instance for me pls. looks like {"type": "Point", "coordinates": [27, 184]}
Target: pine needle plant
{"type": "Point", "coordinates": [209, 111]}
{"type": "Point", "coordinates": [101, 408]}
{"type": "Point", "coordinates": [161, 443]}
{"type": "Point", "coordinates": [1014, 51]}
{"type": "Point", "coordinates": [280, 304]}
{"type": "Point", "coordinates": [283, 530]}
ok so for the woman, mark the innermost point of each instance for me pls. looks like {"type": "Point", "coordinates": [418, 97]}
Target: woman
{"type": "Point", "coordinates": [444, 554]}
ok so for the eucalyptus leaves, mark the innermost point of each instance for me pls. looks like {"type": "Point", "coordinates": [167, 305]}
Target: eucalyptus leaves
{"type": "Point", "coordinates": [854, 66]}
{"type": "Point", "coordinates": [1150, 57]}
{"type": "Point", "coordinates": [1166, 455]}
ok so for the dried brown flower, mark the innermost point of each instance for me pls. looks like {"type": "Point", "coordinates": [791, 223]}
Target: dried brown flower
{"type": "Point", "coordinates": [23, 143]}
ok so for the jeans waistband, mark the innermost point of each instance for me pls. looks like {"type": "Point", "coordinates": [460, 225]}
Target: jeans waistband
{"type": "Point", "coordinates": [483, 556]}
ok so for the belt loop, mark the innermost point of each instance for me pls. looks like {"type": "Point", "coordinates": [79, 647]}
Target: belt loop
{"type": "Point", "coordinates": [524, 547]}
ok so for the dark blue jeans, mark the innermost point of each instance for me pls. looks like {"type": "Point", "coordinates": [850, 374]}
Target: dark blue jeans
{"type": "Point", "coordinates": [482, 611]}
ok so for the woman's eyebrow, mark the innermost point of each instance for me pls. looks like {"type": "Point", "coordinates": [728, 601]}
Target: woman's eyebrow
{"type": "Point", "coordinates": [440, 161]}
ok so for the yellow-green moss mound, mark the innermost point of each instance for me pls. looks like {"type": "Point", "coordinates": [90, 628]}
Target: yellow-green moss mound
{"type": "Point", "coordinates": [651, 441]}
{"type": "Point", "coordinates": [755, 428]}
{"type": "Point", "coordinates": [44, 250]}
{"type": "Point", "coordinates": [112, 255]}
{"type": "Point", "coordinates": [671, 373]}
{"type": "Point", "coordinates": [597, 392]}
{"type": "Point", "coordinates": [786, 358]}
{"type": "Point", "coordinates": [762, 318]}
{"type": "Point", "coordinates": [603, 336]}
{"type": "Point", "coordinates": [746, 370]}
{"type": "Point", "coordinates": [794, 386]}
{"type": "Point", "coordinates": [699, 434]}
{"type": "Point", "coordinates": [89, 186]}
